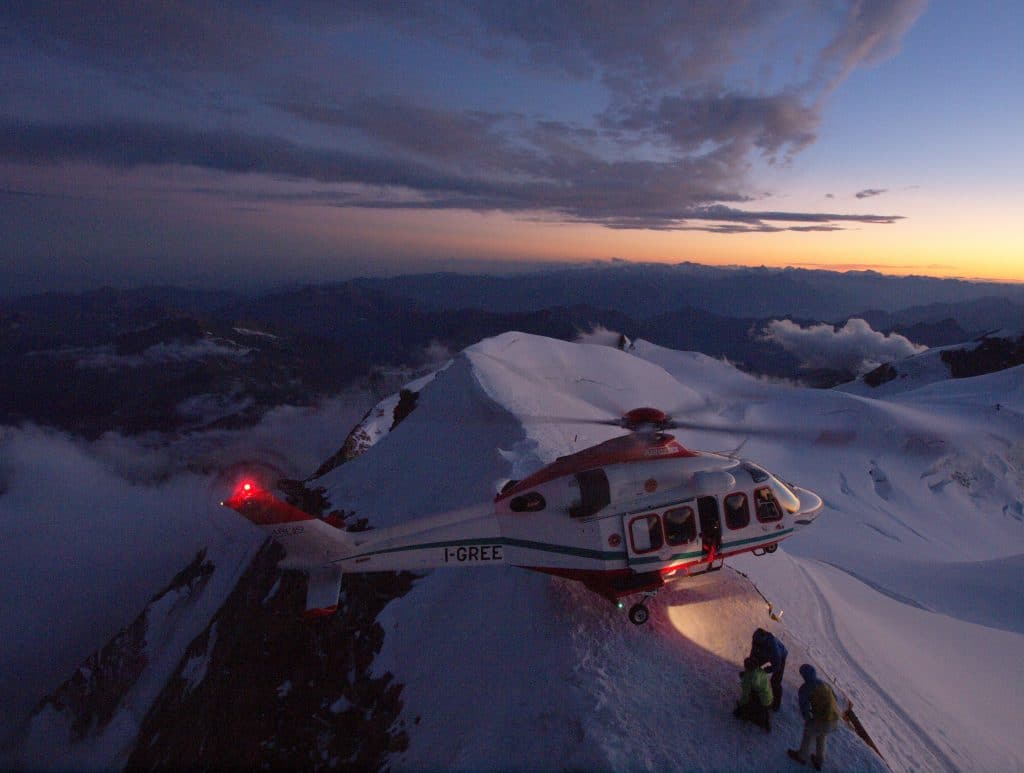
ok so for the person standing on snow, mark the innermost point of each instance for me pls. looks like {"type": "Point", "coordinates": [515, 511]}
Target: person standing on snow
{"type": "Point", "coordinates": [821, 715]}
{"type": "Point", "coordinates": [755, 695]}
{"type": "Point", "coordinates": [765, 648]}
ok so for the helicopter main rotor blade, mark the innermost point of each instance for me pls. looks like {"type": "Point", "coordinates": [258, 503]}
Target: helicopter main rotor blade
{"type": "Point", "coordinates": [826, 436]}
{"type": "Point", "coordinates": [818, 436]}
{"type": "Point", "coordinates": [617, 422]}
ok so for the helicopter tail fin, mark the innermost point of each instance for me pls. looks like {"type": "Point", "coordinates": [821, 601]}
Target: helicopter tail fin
{"type": "Point", "coordinates": [310, 544]}
{"type": "Point", "coordinates": [323, 591]}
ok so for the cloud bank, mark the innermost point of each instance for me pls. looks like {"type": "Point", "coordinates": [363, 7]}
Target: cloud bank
{"type": "Point", "coordinates": [855, 347]}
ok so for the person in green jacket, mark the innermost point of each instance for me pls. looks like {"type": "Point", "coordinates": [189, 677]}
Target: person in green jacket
{"type": "Point", "coordinates": [755, 695]}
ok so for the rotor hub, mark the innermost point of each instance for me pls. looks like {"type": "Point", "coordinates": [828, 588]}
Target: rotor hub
{"type": "Point", "coordinates": [639, 418]}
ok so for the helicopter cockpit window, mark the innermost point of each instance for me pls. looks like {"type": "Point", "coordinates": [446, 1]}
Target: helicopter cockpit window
{"type": "Point", "coordinates": [756, 473]}
{"type": "Point", "coordinates": [645, 533]}
{"type": "Point", "coordinates": [595, 493]}
{"type": "Point", "coordinates": [680, 526]}
{"type": "Point", "coordinates": [737, 514]}
{"type": "Point", "coordinates": [767, 508]}
{"type": "Point", "coordinates": [530, 502]}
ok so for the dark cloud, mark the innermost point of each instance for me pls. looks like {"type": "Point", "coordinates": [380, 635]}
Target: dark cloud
{"type": "Point", "coordinates": [404, 126]}
{"type": "Point", "coordinates": [128, 34]}
{"type": "Point", "coordinates": [288, 92]}
{"type": "Point", "coordinates": [868, 193]}
{"type": "Point", "coordinates": [630, 46]}
{"type": "Point", "coordinates": [619, 194]}
{"type": "Point", "coordinates": [31, 194]}
{"type": "Point", "coordinates": [130, 144]}
{"type": "Point", "coordinates": [871, 31]}
{"type": "Point", "coordinates": [768, 123]}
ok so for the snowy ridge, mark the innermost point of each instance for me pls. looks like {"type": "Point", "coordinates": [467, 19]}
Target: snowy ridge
{"type": "Point", "coordinates": [904, 592]}
{"type": "Point", "coordinates": [898, 512]}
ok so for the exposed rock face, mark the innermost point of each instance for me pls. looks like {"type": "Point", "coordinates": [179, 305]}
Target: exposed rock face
{"type": "Point", "coordinates": [406, 405]}
{"type": "Point", "coordinates": [990, 355]}
{"type": "Point", "coordinates": [87, 702]}
{"type": "Point", "coordinates": [388, 413]}
{"type": "Point", "coordinates": [883, 374]}
{"type": "Point", "coordinates": [261, 687]}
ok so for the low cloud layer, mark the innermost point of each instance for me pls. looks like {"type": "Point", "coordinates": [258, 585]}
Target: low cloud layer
{"type": "Point", "coordinates": [599, 335]}
{"type": "Point", "coordinates": [93, 529]}
{"type": "Point", "coordinates": [106, 358]}
{"type": "Point", "coordinates": [855, 347]}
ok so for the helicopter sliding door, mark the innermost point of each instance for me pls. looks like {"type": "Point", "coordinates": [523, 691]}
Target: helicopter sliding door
{"type": "Point", "coordinates": [657, 537]}
{"type": "Point", "coordinates": [710, 524]}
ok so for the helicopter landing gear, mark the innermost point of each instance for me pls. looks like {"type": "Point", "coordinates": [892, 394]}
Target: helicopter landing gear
{"type": "Point", "coordinates": [638, 614]}
{"type": "Point", "coordinates": [771, 548]}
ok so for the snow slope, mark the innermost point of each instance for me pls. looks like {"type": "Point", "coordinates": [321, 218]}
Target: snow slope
{"type": "Point", "coordinates": [527, 670]}
{"type": "Point", "coordinates": [909, 583]}
{"type": "Point", "coordinates": [904, 592]}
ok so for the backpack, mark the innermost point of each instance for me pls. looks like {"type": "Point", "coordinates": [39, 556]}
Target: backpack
{"type": "Point", "coordinates": [823, 703]}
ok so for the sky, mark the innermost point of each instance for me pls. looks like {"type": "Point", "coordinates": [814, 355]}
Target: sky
{"type": "Point", "coordinates": [249, 143]}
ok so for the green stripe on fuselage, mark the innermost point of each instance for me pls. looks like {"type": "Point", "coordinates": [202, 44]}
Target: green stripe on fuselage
{"type": "Point", "coordinates": [544, 547]}
{"type": "Point", "coordinates": [697, 554]}
{"type": "Point", "coordinates": [599, 555]}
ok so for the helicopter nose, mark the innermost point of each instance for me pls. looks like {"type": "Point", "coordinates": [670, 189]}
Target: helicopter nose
{"type": "Point", "coordinates": [810, 506]}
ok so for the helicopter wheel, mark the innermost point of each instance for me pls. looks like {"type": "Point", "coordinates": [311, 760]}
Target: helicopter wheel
{"type": "Point", "coordinates": [638, 614]}
{"type": "Point", "coordinates": [771, 548]}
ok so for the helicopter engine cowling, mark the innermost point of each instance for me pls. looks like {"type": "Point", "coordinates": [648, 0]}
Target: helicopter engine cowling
{"type": "Point", "coordinates": [712, 481]}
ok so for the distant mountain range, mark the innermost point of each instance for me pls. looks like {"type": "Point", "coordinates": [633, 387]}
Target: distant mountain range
{"type": "Point", "coordinates": [643, 291]}
{"type": "Point", "coordinates": [167, 358]}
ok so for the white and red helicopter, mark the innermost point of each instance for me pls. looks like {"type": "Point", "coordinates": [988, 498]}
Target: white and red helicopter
{"type": "Point", "coordinates": [621, 517]}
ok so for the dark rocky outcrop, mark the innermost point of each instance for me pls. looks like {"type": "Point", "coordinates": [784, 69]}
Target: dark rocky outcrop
{"type": "Point", "coordinates": [989, 356]}
{"type": "Point", "coordinates": [883, 374]}
{"type": "Point", "coordinates": [262, 687]}
{"type": "Point", "coordinates": [90, 698]}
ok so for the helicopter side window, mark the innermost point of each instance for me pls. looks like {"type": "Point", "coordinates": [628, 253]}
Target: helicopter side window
{"type": "Point", "coordinates": [645, 533]}
{"type": "Point", "coordinates": [531, 502]}
{"type": "Point", "coordinates": [680, 526]}
{"type": "Point", "coordinates": [767, 508]}
{"type": "Point", "coordinates": [595, 493]}
{"type": "Point", "coordinates": [737, 513]}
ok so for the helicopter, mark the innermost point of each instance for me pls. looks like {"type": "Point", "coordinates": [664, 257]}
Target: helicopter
{"type": "Point", "coordinates": [621, 517]}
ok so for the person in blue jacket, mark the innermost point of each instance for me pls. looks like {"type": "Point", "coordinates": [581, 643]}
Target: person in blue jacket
{"type": "Point", "coordinates": [821, 716]}
{"type": "Point", "coordinates": [765, 648]}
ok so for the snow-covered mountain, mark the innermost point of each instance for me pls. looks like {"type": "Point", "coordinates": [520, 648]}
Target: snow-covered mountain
{"type": "Point", "coordinates": [904, 592]}
{"type": "Point", "coordinates": [990, 353]}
